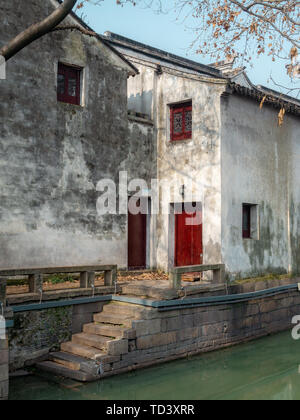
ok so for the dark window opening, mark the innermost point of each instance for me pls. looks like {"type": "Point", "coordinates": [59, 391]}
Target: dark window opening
{"type": "Point", "coordinates": [68, 84]}
{"type": "Point", "coordinates": [181, 121]}
{"type": "Point", "coordinates": [247, 221]}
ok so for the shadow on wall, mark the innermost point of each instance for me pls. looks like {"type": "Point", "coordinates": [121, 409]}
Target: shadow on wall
{"type": "Point", "coordinates": [141, 102]}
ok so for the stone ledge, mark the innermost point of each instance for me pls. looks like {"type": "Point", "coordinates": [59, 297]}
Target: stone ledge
{"type": "Point", "coordinates": [132, 118]}
{"type": "Point", "coordinates": [4, 388]}
{"type": "Point", "coordinates": [60, 294]}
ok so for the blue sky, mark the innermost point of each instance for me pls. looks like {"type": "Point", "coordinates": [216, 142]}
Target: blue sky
{"type": "Point", "coordinates": [164, 32]}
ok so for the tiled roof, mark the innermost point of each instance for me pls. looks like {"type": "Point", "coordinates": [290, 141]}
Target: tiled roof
{"type": "Point", "coordinates": [120, 41]}
{"type": "Point", "coordinates": [270, 99]}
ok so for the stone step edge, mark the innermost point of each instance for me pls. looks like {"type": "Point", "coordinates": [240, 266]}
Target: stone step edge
{"type": "Point", "coordinates": [60, 370]}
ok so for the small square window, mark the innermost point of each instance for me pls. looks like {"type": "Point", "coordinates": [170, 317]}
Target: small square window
{"type": "Point", "coordinates": [250, 221]}
{"type": "Point", "coordinates": [68, 84]}
{"type": "Point", "coordinates": [181, 121]}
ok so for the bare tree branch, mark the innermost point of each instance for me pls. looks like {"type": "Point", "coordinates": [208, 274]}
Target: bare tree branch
{"type": "Point", "coordinates": [37, 30]}
{"type": "Point", "coordinates": [243, 28]}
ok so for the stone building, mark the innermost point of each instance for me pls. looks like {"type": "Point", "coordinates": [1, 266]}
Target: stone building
{"type": "Point", "coordinates": [56, 144]}
{"type": "Point", "coordinates": [244, 168]}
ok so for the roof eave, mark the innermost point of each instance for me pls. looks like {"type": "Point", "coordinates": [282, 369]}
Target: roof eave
{"type": "Point", "coordinates": [258, 96]}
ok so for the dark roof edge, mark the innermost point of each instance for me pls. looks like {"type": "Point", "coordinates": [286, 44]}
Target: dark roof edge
{"type": "Point", "coordinates": [103, 39]}
{"type": "Point", "coordinates": [259, 95]}
{"type": "Point", "coordinates": [155, 52]}
{"type": "Point", "coordinates": [278, 94]}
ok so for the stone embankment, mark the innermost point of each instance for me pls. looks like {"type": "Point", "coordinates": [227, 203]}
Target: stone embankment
{"type": "Point", "coordinates": [128, 336]}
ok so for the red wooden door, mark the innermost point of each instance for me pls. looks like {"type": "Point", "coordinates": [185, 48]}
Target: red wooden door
{"type": "Point", "coordinates": [188, 239]}
{"type": "Point", "coordinates": [137, 241]}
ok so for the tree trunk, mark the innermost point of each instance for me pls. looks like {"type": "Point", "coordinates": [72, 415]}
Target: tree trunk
{"type": "Point", "coordinates": [37, 30]}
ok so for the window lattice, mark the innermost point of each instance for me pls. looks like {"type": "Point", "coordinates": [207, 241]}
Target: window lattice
{"type": "Point", "coordinates": [188, 121]}
{"type": "Point", "coordinates": [178, 120]}
{"type": "Point", "coordinates": [181, 121]}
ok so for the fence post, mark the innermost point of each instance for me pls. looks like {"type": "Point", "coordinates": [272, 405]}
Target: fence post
{"type": "Point", "coordinates": [35, 283]}
{"type": "Point", "coordinates": [91, 279]}
{"type": "Point", "coordinates": [110, 277]}
{"type": "Point", "coordinates": [219, 275]}
{"type": "Point", "coordinates": [175, 280]}
{"type": "Point", "coordinates": [84, 280]}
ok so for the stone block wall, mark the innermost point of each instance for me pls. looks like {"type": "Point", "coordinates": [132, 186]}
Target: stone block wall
{"type": "Point", "coordinates": [36, 333]}
{"type": "Point", "coordinates": [157, 336]}
{"type": "Point", "coordinates": [3, 370]}
{"type": "Point", "coordinates": [165, 336]}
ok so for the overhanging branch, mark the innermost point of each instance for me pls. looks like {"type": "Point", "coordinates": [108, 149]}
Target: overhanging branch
{"type": "Point", "coordinates": [37, 30]}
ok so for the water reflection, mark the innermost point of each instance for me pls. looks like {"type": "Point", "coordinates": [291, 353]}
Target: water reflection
{"type": "Point", "coordinates": [263, 369]}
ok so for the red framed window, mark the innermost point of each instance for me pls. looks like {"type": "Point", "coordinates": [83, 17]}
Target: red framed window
{"type": "Point", "coordinates": [68, 84]}
{"type": "Point", "coordinates": [181, 121]}
{"type": "Point", "coordinates": [247, 221]}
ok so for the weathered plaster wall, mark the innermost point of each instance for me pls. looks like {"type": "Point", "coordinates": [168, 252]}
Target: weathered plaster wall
{"type": "Point", "coordinates": [140, 89]}
{"type": "Point", "coordinates": [141, 155]}
{"type": "Point", "coordinates": [294, 198]}
{"type": "Point", "coordinates": [260, 165]}
{"type": "Point", "coordinates": [142, 151]}
{"type": "Point", "coordinates": [194, 162]}
{"type": "Point", "coordinates": [52, 155]}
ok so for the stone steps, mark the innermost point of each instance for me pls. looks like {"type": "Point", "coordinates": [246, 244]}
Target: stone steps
{"type": "Point", "coordinates": [91, 340]}
{"type": "Point", "coordinates": [79, 350]}
{"type": "Point", "coordinates": [122, 309]}
{"type": "Point", "coordinates": [149, 292]}
{"type": "Point", "coordinates": [60, 370]}
{"type": "Point", "coordinates": [74, 362]}
{"type": "Point", "coordinates": [113, 319]}
{"type": "Point", "coordinates": [101, 343]}
{"type": "Point", "coordinates": [104, 330]}
{"type": "Point", "coordinates": [73, 365]}
{"type": "Point", "coordinates": [135, 312]}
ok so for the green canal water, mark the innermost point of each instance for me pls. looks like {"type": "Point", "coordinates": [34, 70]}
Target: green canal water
{"type": "Point", "coordinates": [264, 369]}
